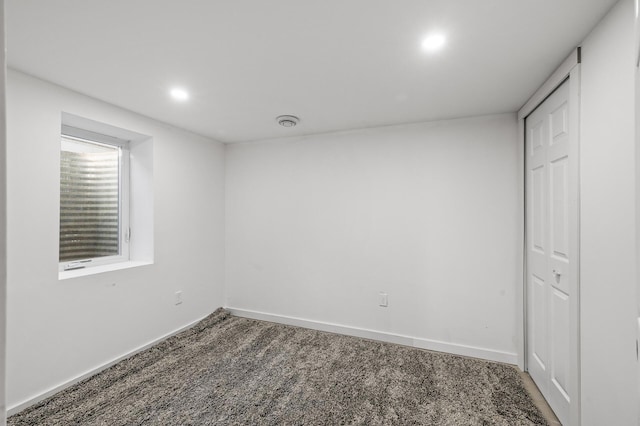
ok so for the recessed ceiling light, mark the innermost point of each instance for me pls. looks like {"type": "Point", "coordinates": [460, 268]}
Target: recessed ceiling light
{"type": "Point", "coordinates": [434, 42]}
{"type": "Point", "coordinates": [179, 94]}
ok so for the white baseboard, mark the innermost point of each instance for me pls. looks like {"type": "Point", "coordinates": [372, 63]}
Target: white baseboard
{"type": "Point", "coordinates": [35, 399]}
{"type": "Point", "coordinates": [433, 345]}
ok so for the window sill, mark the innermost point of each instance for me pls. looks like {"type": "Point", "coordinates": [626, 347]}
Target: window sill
{"type": "Point", "coordinates": [64, 275]}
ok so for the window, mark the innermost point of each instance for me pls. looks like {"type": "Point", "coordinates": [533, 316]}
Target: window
{"type": "Point", "coordinates": [94, 199]}
{"type": "Point", "coordinates": [106, 198]}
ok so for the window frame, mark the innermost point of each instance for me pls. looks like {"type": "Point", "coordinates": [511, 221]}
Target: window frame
{"type": "Point", "coordinates": [124, 230]}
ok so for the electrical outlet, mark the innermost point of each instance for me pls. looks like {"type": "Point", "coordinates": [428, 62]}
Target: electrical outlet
{"type": "Point", "coordinates": [178, 297]}
{"type": "Point", "coordinates": [383, 299]}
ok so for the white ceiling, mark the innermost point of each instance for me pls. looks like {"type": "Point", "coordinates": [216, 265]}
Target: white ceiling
{"type": "Point", "coordinates": [337, 64]}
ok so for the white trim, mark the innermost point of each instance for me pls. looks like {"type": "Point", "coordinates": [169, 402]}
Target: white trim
{"type": "Point", "coordinates": [124, 192]}
{"type": "Point", "coordinates": [574, 243]}
{"type": "Point", "coordinates": [87, 135]}
{"type": "Point", "coordinates": [73, 123]}
{"type": "Point", "coordinates": [433, 345]}
{"type": "Point", "coordinates": [637, 31]}
{"type": "Point", "coordinates": [75, 273]}
{"type": "Point", "coordinates": [37, 398]}
{"type": "Point", "coordinates": [521, 294]}
{"type": "Point", "coordinates": [570, 69]}
{"type": "Point", "coordinates": [552, 83]}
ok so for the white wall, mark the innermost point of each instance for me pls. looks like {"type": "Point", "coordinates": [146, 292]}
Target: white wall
{"type": "Point", "coordinates": [429, 213]}
{"type": "Point", "coordinates": [608, 193]}
{"type": "Point", "coordinates": [58, 330]}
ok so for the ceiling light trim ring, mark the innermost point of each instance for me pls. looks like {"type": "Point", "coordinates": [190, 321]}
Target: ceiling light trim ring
{"type": "Point", "coordinates": [287, 120]}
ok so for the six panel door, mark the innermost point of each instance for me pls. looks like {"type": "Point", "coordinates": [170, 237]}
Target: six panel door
{"type": "Point", "coordinates": [548, 256]}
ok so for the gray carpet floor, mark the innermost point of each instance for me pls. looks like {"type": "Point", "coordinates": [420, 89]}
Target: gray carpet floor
{"type": "Point", "coordinates": [235, 371]}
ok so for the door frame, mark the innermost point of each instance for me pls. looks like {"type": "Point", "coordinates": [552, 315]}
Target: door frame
{"type": "Point", "coordinates": [569, 69]}
{"type": "Point", "coordinates": [637, 162]}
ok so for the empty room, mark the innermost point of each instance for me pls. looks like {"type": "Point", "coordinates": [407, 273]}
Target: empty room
{"type": "Point", "coordinates": [320, 213]}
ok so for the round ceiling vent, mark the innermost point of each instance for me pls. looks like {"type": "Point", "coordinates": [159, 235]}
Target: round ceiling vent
{"type": "Point", "coordinates": [288, 120]}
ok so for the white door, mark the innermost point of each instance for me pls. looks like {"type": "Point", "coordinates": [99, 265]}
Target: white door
{"type": "Point", "coordinates": [548, 256]}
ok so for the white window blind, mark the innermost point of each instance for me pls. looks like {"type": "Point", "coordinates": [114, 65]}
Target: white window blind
{"type": "Point", "coordinates": [90, 200]}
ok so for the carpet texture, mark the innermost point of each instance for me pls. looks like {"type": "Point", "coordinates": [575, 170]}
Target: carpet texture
{"type": "Point", "coordinates": [235, 371]}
